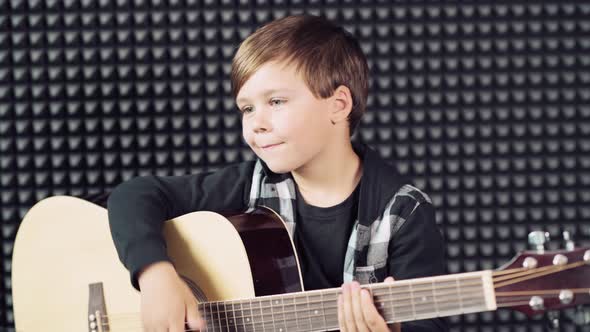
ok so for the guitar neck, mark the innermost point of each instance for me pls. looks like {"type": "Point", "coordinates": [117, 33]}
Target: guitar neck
{"type": "Point", "coordinates": [405, 300]}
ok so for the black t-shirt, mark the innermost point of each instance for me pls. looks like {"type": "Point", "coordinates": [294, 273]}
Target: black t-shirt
{"type": "Point", "coordinates": [321, 238]}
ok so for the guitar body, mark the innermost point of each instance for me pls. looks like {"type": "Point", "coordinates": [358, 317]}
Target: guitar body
{"type": "Point", "coordinates": [243, 269]}
{"type": "Point", "coordinates": [64, 244]}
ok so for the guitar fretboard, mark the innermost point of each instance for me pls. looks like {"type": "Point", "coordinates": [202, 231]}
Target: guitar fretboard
{"type": "Point", "coordinates": [318, 310]}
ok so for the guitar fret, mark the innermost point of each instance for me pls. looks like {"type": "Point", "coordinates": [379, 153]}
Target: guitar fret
{"type": "Point", "coordinates": [268, 304]}
{"type": "Point", "coordinates": [233, 320]}
{"type": "Point", "coordinates": [295, 312]}
{"type": "Point", "coordinates": [459, 294]}
{"type": "Point", "coordinates": [210, 317]}
{"type": "Point", "coordinates": [233, 317]}
{"type": "Point", "coordinates": [219, 317]}
{"type": "Point", "coordinates": [205, 316]}
{"type": "Point", "coordinates": [289, 311]}
{"type": "Point", "coordinates": [248, 319]}
{"type": "Point", "coordinates": [308, 310]}
{"type": "Point", "coordinates": [315, 314]}
{"type": "Point", "coordinates": [216, 317]}
{"type": "Point", "coordinates": [257, 318]}
{"type": "Point", "coordinates": [249, 324]}
{"type": "Point", "coordinates": [324, 310]}
{"type": "Point", "coordinates": [379, 300]}
{"type": "Point", "coordinates": [304, 310]}
{"type": "Point", "coordinates": [434, 297]}
{"type": "Point", "coordinates": [261, 315]}
{"type": "Point", "coordinates": [239, 320]}
{"type": "Point", "coordinates": [423, 303]}
{"type": "Point", "coordinates": [331, 312]}
{"type": "Point", "coordinates": [393, 313]}
{"type": "Point", "coordinates": [399, 303]}
{"type": "Point", "coordinates": [446, 296]}
{"type": "Point", "coordinates": [254, 309]}
{"type": "Point", "coordinates": [224, 314]}
{"type": "Point", "coordinates": [279, 313]}
{"type": "Point", "coordinates": [201, 309]}
{"type": "Point", "coordinates": [245, 310]}
{"type": "Point", "coordinates": [220, 324]}
{"type": "Point", "coordinates": [412, 300]}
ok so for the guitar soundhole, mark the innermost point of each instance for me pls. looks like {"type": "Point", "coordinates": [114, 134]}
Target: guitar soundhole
{"type": "Point", "coordinates": [197, 292]}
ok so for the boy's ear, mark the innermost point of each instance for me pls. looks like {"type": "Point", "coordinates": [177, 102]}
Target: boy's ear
{"type": "Point", "coordinates": [341, 104]}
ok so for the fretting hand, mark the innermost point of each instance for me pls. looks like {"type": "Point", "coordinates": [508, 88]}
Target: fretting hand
{"type": "Point", "coordinates": [357, 312]}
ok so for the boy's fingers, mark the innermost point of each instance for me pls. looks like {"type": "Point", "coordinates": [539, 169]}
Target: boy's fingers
{"type": "Point", "coordinates": [389, 279]}
{"type": "Point", "coordinates": [176, 326]}
{"type": "Point", "coordinates": [341, 322]}
{"type": "Point", "coordinates": [193, 320]}
{"type": "Point", "coordinates": [356, 307]}
{"type": "Point", "coordinates": [176, 321]}
{"type": "Point", "coordinates": [347, 304]}
{"type": "Point", "coordinates": [371, 316]}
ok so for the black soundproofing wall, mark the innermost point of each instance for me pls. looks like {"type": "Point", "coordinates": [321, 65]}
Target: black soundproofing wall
{"type": "Point", "coordinates": [484, 103]}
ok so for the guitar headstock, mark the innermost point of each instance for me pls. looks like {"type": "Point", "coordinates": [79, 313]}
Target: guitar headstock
{"type": "Point", "coordinates": [534, 282]}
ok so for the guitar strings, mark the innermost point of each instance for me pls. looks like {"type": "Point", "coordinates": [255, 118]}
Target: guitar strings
{"type": "Point", "coordinates": [499, 295]}
{"type": "Point", "coordinates": [514, 300]}
{"type": "Point", "coordinates": [521, 272]}
{"type": "Point", "coordinates": [541, 292]}
{"type": "Point", "coordinates": [504, 299]}
{"type": "Point", "coordinates": [287, 316]}
{"type": "Point", "coordinates": [376, 291]}
{"type": "Point", "coordinates": [306, 313]}
{"type": "Point", "coordinates": [328, 298]}
{"type": "Point", "coordinates": [535, 274]}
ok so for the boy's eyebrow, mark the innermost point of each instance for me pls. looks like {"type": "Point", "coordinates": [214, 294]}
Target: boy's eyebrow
{"type": "Point", "coordinates": [265, 93]}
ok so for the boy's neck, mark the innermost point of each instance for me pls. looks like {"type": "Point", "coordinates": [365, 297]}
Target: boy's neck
{"type": "Point", "coordinates": [331, 177]}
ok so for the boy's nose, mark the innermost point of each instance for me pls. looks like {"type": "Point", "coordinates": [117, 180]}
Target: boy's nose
{"type": "Point", "coordinates": [260, 120]}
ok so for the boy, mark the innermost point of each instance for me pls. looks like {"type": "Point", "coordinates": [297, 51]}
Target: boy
{"type": "Point", "coordinates": [301, 85]}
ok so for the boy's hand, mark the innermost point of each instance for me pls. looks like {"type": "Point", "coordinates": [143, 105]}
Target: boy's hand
{"type": "Point", "coordinates": [356, 311]}
{"type": "Point", "coordinates": [166, 301]}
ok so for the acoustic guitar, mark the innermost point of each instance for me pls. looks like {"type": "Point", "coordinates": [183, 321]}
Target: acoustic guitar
{"type": "Point", "coordinates": [66, 276]}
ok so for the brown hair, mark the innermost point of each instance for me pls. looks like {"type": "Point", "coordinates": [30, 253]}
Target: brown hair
{"type": "Point", "coordinates": [327, 55]}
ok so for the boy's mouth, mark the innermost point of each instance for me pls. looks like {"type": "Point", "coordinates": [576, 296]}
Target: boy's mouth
{"type": "Point", "coordinates": [270, 146]}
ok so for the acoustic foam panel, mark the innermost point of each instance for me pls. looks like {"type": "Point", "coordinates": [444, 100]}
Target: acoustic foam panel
{"type": "Point", "coordinates": [485, 104]}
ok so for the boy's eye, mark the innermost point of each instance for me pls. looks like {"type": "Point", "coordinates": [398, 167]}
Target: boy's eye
{"type": "Point", "coordinates": [273, 102]}
{"type": "Point", "coordinates": [276, 101]}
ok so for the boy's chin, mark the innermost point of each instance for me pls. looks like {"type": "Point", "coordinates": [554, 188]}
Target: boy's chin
{"type": "Point", "coordinates": [278, 168]}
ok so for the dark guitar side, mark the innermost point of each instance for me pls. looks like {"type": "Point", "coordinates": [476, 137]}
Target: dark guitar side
{"type": "Point", "coordinates": [272, 258]}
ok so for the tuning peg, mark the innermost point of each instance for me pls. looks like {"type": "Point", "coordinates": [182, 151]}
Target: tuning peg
{"type": "Point", "coordinates": [569, 241]}
{"type": "Point", "coordinates": [553, 321]}
{"type": "Point", "coordinates": [537, 239]}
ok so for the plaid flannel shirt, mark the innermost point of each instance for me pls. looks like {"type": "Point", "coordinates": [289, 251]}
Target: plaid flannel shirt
{"type": "Point", "coordinates": [378, 220]}
{"type": "Point", "coordinates": [138, 208]}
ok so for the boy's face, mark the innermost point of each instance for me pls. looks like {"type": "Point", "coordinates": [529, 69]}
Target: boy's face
{"type": "Point", "coordinates": [282, 121]}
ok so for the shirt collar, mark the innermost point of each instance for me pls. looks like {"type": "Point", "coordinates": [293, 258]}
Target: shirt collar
{"type": "Point", "coordinates": [379, 182]}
